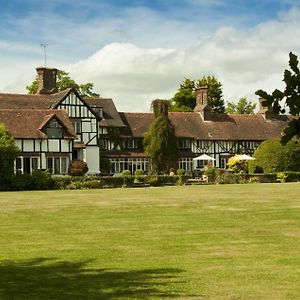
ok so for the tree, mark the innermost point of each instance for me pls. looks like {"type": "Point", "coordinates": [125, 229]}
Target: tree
{"type": "Point", "coordinates": [185, 97]}
{"type": "Point", "coordinates": [160, 143]}
{"type": "Point", "coordinates": [242, 107]}
{"type": "Point", "coordinates": [8, 153]}
{"type": "Point", "coordinates": [271, 156]}
{"type": "Point", "coordinates": [290, 98]}
{"type": "Point", "coordinates": [64, 81]}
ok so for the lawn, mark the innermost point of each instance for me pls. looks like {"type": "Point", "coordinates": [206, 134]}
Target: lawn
{"type": "Point", "coordinates": [193, 242]}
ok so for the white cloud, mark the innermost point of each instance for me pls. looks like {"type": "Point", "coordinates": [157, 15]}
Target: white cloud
{"type": "Point", "coordinates": [133, 72]}
{"type": "Point", "coordinates": [243, 60]}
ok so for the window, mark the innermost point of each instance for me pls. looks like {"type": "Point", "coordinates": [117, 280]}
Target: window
{"type": "Point", "coordinates": [77, 126]}
{"type": "Point", "coordinates": [19, 164]}
{"type": "Point", "coordinates": [103, 144]}
{"type": "Point", "coordinates": [129, 144]}
{"type": "Point", "coordinates": [34, 163]}
{"type": "Point", "coordinates": [26, 164]}
{"type": "Point", "coordinates": [64, 169]}
{"type": "Point", "coordinates": [186, 164]}
{"type": "Point", "coordinates": [184, 144]}
{"type": "Point", "coordinates": [132, 164]}
{"type": "Point", "coordinates": [57, 165]}
{"type": "Point", "coordinates": [54, 130]}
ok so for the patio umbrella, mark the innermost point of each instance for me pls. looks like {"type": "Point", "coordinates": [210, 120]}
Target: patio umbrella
{"type": "Point", "coordinates": [203, 157]}
{"type": "Point", "coordinates": [243, 157]}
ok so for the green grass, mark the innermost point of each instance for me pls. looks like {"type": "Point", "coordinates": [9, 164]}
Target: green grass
{"type": "Point", "coordinates": [196, 242]}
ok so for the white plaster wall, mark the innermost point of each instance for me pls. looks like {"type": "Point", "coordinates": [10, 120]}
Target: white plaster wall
{"type": "Point", "coordinates": [92, 159]}
{"type": "Point", "coordinates": [44, 145]}
{"type": "Point", "coordinates": [65, 146]}
{"type": "Point", "coordinates": [53, 145]}
{"type": "Point", "coordinates": [86, 126]}
{"type": "Point", "coordinates": [28, 146]}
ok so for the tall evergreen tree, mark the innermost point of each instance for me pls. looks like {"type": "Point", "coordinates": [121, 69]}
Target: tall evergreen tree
{"type": "Point", "coordinates": [160, 143]}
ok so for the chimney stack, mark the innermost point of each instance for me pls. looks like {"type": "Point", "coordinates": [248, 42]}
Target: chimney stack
{"type": "Point", "coordinates": [46, 80]}
{"type": "Point", "coordinates": [202, 105]}
{"type": "Point", "coordinates": [265, 109]}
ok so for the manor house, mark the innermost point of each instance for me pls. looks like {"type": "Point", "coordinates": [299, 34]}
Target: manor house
{"type": "Point", "coordinates": [51, 128]}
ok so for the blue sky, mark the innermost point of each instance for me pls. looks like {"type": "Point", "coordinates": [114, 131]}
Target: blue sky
{"type": "Point", "coordinates": [135, 50]}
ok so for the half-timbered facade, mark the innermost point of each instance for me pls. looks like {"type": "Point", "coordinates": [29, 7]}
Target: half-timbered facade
{"type": "Point", "coordinates": [44, 137]}
{"type": "Point", "coordinates": [83, 118]}
{"type": "Point", "coordinates": [198, 132]}
{"type": "Point", "coordinates": [88, 129]}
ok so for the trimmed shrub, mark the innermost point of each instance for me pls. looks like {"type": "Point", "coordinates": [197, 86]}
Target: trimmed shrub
{"type": "Point", "coordinates": [42, 180]}
{"type": "Point", "coordinates": [78, 167]}
{"type": "Point", "coordinates": [128, 181]}
{"type": "Point", "coordinates": [91, 184]}
{"type": "Point", "coordinates": [230, 179]}
{"type": "Point", "coordinates": [139, 172]}
{"type": "Point", "coordinates": [153, 180]}
{"type": "Point", "coordinates": [180, 172]}
{"type": "Point", "coordinates": [104, 166]}
{"type": "Point", "coordinates": [21, 182]}
{"type": "Point", "coordinates": [126, 173]}
{"type": "Point", "coordinates": [281, 177]}
{"type": "Point", "coordinates": [262, 178]}
{"type": "Point", "coordinates": [212, 173]}
{"type": "Point", "coordinates": [292, 176]}
{"type": "Point", "coordinates": [38, 180]}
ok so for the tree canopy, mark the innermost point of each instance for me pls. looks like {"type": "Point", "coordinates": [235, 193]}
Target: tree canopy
{"type": "Point", "coordinates": [242, 107]}
{"type": "Point", "coordinates": [271, 156]}
{"type": "Point", "coordinates": [160, 143]}
{"type": "Point", "coordinates": [289, 98]}
{"type": "Point", "coordinates": [64, 81]}
{"type": "Point", "coordinates": [185, 97]}
{"type": "Point", "coordinates": [8, 153]}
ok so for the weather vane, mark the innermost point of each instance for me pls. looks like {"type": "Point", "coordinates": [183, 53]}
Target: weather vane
{"type": "Point", "coordinates": [45, 54]}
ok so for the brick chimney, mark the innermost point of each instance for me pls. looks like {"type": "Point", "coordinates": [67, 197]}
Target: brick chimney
{"type": "Point", "coordinates": [46, 80]}
{"type": "Point", "coordinates": [264, 109]}
{"type": "Point", "coordinates": [202, 105]}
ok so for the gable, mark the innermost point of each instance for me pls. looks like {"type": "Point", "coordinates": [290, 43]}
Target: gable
{"type": "Point", "coordinates": [75, 106]}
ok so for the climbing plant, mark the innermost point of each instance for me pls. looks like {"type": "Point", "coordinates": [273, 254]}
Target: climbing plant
{"type": "Point", "coordinates": [160, 143]}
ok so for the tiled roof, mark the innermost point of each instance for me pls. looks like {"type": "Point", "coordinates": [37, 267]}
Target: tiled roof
{"type": "Point", "coordinates": [219, 127]}
{"type": "Point", "coordinates": [27, 101]}
{"type": "Point", "coordinates": [28, 123]}
{"type": "Point", "coordinates": [110, 114]}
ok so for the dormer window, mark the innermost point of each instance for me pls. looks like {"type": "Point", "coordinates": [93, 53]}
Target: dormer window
{"type": "Point", "coordinates": [54, 130]}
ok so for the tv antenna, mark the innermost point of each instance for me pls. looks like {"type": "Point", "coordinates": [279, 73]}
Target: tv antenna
{"type": "Point", "coordinates": [45, 53]}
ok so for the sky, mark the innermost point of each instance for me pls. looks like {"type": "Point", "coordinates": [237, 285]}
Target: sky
{"type": "Point", "coordinates": [138, 51]}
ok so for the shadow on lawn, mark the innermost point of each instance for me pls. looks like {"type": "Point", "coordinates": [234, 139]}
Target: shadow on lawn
{"type": "Point", "coordinates": [49, 279]}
